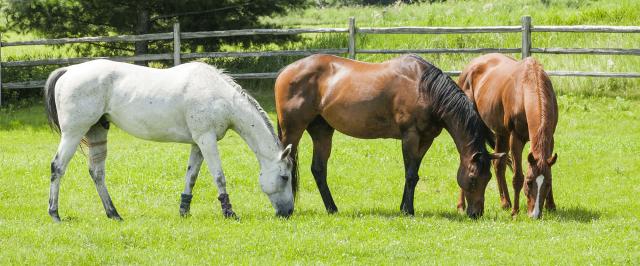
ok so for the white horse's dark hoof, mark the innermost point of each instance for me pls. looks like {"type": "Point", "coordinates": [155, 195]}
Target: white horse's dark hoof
{"type": "Point", "coordinates": [185, 204]}
{"type": "Point", "coordinates": [54, 215]}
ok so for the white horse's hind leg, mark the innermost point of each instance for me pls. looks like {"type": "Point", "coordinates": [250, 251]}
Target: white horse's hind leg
{"type": "Point", "coordinates": [97, 142]}
{"type": "Point", "coordinates": [209, 147]}
{"type": "Point", "coordinates": [195, 161]}
{"type": "Point", "coordinates": [66, 149]}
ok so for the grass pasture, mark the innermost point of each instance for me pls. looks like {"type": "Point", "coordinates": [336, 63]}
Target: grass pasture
{"type": "Point", "coordinates": [595, 184]}
{"type": "Point", "coordinates": [596, 178]}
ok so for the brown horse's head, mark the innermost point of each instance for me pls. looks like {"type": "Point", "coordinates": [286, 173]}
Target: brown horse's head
{"type": "Point", "coordinates": [473, 175]}
{"type": "Point", "coordinates": [538, 183]}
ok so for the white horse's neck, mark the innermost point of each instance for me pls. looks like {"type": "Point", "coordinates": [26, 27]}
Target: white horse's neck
{"type": "Point", "coordinates": [254, 127]}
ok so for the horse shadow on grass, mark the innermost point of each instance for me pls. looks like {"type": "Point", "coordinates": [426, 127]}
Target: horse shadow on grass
{"type": "Point", "coordinates": [570, 214]}
{"type": "Point", "coordinates": [574, 214]}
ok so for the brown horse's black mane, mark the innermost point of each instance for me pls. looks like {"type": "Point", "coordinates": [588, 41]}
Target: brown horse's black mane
{"type": "Point", "coordinates": [450, 102]}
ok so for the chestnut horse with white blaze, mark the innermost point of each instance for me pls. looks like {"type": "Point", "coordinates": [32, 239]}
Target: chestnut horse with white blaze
{"type": "Point", "coordinates": [405, 98]}
{"type": "Point", "coordinates": [192, 103]}
{"type": "Point", "coordinates": [516, 100]}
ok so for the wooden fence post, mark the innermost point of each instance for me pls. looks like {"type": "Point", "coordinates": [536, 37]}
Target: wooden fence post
{"type": "Point", "coordinates": [176, 43]}
{"type": "Point", "coordinates": [352, 37]}
{"type": "Point", "coordinates": [526, 37]}
{"type": "Point", "coordinates": [0, 68]}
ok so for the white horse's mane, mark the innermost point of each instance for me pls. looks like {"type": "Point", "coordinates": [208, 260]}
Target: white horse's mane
{"type": "Point", "coordinates": [263, 114]}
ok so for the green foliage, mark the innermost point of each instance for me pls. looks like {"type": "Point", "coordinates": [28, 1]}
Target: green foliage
{"type": "Point", "coordinates": [595, 184]}
{"type": "Point", "coordinates": [79, 18]}
{"type": "Point", "coordinates": [450, 13]}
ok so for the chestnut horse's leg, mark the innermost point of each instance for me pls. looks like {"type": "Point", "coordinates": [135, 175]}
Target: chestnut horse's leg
{"type": "Point", "coordinates": [500, 166]}
{"type": "Point", "coordinates": [461, 206]}
{"type": "Point", "coordinates": [321, 134]}
{"type": "Point", "coordinates": [516, 146]}
{"type": "Point", "coordinates": [413, 150]}
{"type": "Point", "coordinates": [549, 203]}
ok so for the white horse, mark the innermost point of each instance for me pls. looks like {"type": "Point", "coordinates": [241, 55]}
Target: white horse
{"type": "Point", "coordinates": [192, 103]}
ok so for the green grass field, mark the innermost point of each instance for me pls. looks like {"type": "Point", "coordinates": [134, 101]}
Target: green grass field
{"type": "Point", "coordinates": [596, 177]}
{"type": "Point", "coordinates": [595, 184]}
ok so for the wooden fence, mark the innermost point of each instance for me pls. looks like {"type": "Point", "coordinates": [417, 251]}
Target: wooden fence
{"type": "Point", "coordinates": [526, 28]}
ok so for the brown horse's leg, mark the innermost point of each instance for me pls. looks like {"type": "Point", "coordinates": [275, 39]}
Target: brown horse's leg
{"type": "Point", "coordinates": [500, 166]}
{"type": "Point", "coordinates": [321, 133]}
{"type": "Point", "coordinates": [412, 152]}
{"type": "Point", "coordinates": [550, 204]}
{"type": "Point", "coordinates": [291, 135]}
{"type": "Point", "coordinates": [518, 178]}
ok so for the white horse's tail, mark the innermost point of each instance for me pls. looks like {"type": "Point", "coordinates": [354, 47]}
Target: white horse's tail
{"type": "Point", "coordinates": [50, 99]}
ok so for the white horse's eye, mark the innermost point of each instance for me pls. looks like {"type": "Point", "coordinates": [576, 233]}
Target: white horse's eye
{"type": "Point", "coordinates": [284, 178]}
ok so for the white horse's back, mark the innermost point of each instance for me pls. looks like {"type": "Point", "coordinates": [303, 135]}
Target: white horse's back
{"type": "Point", "coordinates": [153, 104]}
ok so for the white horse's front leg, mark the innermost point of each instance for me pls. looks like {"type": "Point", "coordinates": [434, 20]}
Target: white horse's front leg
{"type": "Point", "coordinates": [209, 148]}
{"type": "Point", "coordinates": [195, 161]}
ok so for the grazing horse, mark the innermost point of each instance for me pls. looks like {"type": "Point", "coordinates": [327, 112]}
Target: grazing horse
{"type": "Point", "coordinates": [192, 103]}
{"type": "Point", "coordinates": [516, 100]}
{"type": "Point", "coordinates": [404, 98]}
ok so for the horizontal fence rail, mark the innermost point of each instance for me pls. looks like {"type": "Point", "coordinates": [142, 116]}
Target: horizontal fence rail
{"type": "Point", "coordinates": [439, 30]}
{"type": "Point", "coordinates": [526, 28]}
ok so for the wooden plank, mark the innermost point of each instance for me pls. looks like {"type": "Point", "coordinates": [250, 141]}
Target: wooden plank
{"type": "Point", "coordinates": [269, 75]}
{"type": "Point", "coordinates": [609, 51]}
{"type": "Point", "coordinates": [33, 84]}
{"type": "Point", "coordinates": [440, 51]}
{"type": "Point", "coordinates": [249, 32]}
{"type": "Point", "coordinates": [176, 43]}
{"type": "Point", "coordinates": [120, 38]}
{"type": "Point", "coordinates": [77, 60]}
{"type": "Point", "coordinates": [268, 53]}
{"type": "Point", "coordinates": [438, 30]}
{"type": "Point", "coordinates": [526, 37]}
{"type": "Point", "coordinates": [24, 85]}
{"type": "Point", "coordinates": [593, 74]}
{"type": "Point", "coordinates": [587, 28]}
{"type": "Point", "coordinates": [352, 38]}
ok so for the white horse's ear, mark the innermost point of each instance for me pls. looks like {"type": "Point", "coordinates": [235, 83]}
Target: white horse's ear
{"type": "Point", "coordinates": [285, 152]}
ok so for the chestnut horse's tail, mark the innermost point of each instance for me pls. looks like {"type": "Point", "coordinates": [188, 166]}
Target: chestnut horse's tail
{"type": "Point", "coordinates": [540, 107]}
{"type": "Point", "coordinates": [294, 161]}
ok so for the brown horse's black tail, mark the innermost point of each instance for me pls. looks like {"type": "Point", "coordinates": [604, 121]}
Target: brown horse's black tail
{"type": "Point", "coordinates": [294, 161]}
{"type": "Point", "coordinates": [50, 99]}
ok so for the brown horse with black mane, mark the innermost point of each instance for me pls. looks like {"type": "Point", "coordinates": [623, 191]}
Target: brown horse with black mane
{"type": "Point", "coordinates": [404, 98]}
{"type": "Point", "coordinates": [516, 100]}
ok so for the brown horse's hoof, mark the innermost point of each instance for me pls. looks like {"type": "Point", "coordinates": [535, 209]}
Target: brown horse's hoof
{"type": "Point", "coordinates": [505, 205]}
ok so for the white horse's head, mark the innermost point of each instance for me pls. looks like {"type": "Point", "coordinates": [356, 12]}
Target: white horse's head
{"type": "Point", "coordinates": [275, 180]}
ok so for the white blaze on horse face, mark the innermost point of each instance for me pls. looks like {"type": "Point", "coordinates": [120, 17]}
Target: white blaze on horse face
{"type": "Point", "coordinates": [536, 207]}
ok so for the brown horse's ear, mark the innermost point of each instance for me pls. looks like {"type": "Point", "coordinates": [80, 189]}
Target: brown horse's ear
{"type": "Point", "coordinates": [497, 155]}
{"type": "Point", "coordinates": [285, 152]}
{"type": "Point", "coordinates": [553, 159]}
{"type": "Point", "coordinates": [531, 159]}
